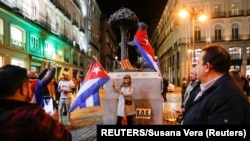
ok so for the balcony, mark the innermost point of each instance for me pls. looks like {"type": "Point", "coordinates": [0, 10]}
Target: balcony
{"type": "Point", "coordinates": [248, 12]}
{"type": "Point", "coordinates": [236, 13]}
{"type": "Point", "coordinates": [74, 22]}
{"type": "Point", "coordinates": [61, 8]}
{"type": "Point", "coordinates": [82, 29]}
{"type": "Point", "coordinates": [218, 14]}
{"type": "Point", "coordinates": [77, 4]}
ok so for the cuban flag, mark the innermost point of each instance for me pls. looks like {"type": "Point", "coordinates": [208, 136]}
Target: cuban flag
{"type": "Point", "coordinates": [145, 49]}
{"type": "Point", "coordinates": [88, 94]}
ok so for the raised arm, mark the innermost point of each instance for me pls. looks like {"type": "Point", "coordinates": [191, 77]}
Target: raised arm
{"type": "Point", "coordinates": [42, 73]}
{"type": "Point", "coordinates": [50, 76]}
{"type": "Point", "coordinates": [115, 88]}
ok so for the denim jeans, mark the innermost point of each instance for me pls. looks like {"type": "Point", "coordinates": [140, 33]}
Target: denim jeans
{"type": "Point", "coordinates": [64, 102]}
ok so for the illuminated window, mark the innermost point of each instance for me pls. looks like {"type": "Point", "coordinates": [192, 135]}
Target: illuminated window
{"type": "Point", "coordinates": [17, 37]}
{"type": "Point", "coordinates": [89, 25]}
{"type": "Point", "coordinates": [18, 62]}
{"type": "Point", "coordinates": [34, 42]}
{"type": "Point", "coordinates": [248, 70]}
{"type": "Point", "coordinates": [235, 8]}
{"type": "Point", "coordinates": [1, 31]}
{"type": "Point", "coordinates": [1, 61]}
{"type": "Point", "coordinates": [217, 8]}
{"type": "Point", "coordinates": [235, 53]}
{"type": "Point", "coordinates": [248, 52]}
{"type": "Point", "coordinates": [49, 50]}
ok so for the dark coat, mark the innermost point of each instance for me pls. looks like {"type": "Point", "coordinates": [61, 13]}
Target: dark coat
{"type": "Point", "coordinates": [223, 103]}
{"type": "Point", "coordinates": [164, 85]}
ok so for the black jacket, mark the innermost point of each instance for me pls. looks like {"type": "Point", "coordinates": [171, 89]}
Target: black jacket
{"type": "Point", "coordinates": [164, 85]}
{"type": "Point", "coordinates": [223, 103]}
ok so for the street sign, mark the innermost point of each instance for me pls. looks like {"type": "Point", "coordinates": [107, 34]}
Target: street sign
{"type": "Point", "coordinates": [143, 113]}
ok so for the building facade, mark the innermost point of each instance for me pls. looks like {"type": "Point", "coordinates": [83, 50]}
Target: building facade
{"type": "Point", "coordinates": [63, 31]}
{"type": "Point", "coordinates": [178, 41]}
{"type": "Point", "coordinates": [109, 46]}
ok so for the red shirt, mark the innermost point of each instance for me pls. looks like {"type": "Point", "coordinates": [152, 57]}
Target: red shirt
{"type": "Point", "coordinates": [33, 83]}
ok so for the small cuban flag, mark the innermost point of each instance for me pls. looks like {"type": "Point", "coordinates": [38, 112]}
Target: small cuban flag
{"type": "Point", "coordinates": [88, 94]}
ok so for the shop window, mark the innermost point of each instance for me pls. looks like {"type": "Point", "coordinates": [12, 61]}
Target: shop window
{"type": "Point", "coordinates": [235, 53]}
{"type": "Point", "coordinates": [17, 37]}
{"type": "Point", "coordinates": [18, 62]}
{"type": "Point", "coordinates": [49, 50]}
{"type": "Point", "coordinates": [1, 61]}
{"type": "Point", "coordinates": [1, 31]}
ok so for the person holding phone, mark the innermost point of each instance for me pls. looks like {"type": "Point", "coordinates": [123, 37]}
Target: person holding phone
{"type": "Point", "coordinates": [20, 119]}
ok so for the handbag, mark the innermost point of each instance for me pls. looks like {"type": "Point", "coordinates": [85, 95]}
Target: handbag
{"type": "Point", "coordinates": [128, 100]}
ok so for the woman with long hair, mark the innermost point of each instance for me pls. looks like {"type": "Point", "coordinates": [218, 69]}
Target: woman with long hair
{"type": "Point", "coordinates": [126, 107]}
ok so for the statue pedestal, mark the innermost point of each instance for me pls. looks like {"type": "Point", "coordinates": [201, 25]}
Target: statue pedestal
{"type": "Point", "coordinates": [147, 98]}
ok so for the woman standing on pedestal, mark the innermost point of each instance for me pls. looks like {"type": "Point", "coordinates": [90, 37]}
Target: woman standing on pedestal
{"type": "Point", "coordinates": [126, 107]}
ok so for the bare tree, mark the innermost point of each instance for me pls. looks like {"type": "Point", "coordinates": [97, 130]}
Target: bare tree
{"type": "Point", "coordinates": [124, 19]}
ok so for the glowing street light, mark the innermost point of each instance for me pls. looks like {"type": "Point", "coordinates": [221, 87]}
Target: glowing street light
{"type": "Point", "coordinates": [116, 65]}
{"type": "Point", "coordinates": [194, 15]}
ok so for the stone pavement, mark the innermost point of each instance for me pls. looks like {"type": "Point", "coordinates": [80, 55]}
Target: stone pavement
{"type": "Point", "coordinates": [83, 121]}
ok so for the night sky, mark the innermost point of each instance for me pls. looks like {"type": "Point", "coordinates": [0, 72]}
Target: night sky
{"type": "Point", "coordinates": [148, 11]}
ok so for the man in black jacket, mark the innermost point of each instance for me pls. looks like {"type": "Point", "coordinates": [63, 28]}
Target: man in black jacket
{"type": "Point", "coordinates": [164, 88]}
{"type": "Point", "coordinates": [245, 84]}
{"type": "Point", "coordinates": [220, 100]}
{"type": "Point", "coordinates": [190, 93]}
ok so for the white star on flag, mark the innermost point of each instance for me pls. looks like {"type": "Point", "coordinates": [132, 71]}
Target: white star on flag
{"type": "Point", "coordinates": [88, 94]}
{"type": "Point", "coordinates": [96, 70]}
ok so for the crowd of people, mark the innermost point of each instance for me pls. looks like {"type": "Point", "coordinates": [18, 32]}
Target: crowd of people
{"type": "Point", "coordinates": [24, 98]}
{"type": "Point", "coordinates": [211, 95]}
{"type": "Point", "coordinates": [215, 94]}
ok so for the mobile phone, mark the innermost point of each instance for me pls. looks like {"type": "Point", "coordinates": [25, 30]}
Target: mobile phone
{"type": "Point", "coordinates": [48, 104]}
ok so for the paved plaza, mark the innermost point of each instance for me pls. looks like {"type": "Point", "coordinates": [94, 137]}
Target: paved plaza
{"type": "Point", "coordinates": [83, 121]}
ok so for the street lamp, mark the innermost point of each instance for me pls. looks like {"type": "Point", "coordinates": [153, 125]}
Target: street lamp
{"type": "Point", "coordinates": [116, 62]}
{"type": "Point", "coordinates": [194, 15]}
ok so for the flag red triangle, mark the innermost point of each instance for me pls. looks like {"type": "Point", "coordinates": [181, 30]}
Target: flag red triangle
{"type": "Point", "coordinates": [96, 71]}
